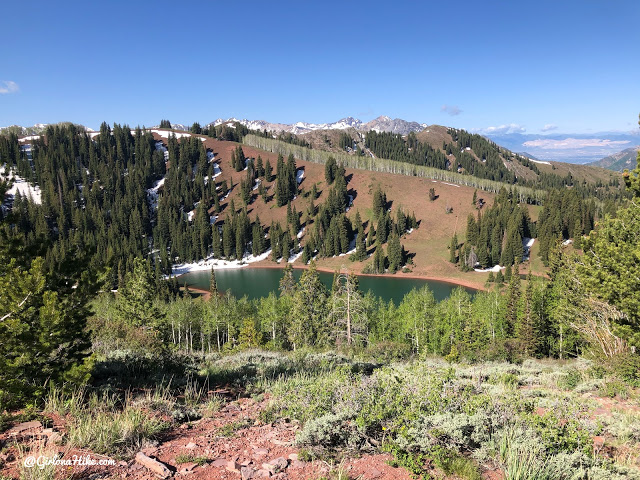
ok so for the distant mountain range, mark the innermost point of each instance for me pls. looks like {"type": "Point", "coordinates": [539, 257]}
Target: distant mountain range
{"type": "Point", "coordinates": [380, 124]}
{"type": "Point", "coordinates": [626, 159]}
{"type": "Point", "coordinates": [571, 148]}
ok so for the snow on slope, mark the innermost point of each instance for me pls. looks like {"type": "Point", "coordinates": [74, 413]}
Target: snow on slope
{"type": "Point", "coordinates": [20, 185]}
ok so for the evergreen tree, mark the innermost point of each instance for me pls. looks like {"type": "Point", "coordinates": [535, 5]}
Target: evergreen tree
{"type": "Point", "coordinates": [213, 284]}
{"type": "Point", "coordinates": [135, 304]}
{"type": "Point", "coordinates": [308, 320]}
{"type": "Point", "coordinates": [330, 170]}
{"type": "Point", "coordinates": [513, 301]}
{"type": "Point", "coordinates": [395, 253]}
{"type": "Point", "coordinates": [453, 257]}
{"type": "Point", "coordinates": [42, 323]}
{"type": "Point", "coordinates": [268, 171]}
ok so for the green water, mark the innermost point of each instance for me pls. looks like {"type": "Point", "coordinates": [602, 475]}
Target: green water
{"type": "Point", "coordinates": [259, 282]}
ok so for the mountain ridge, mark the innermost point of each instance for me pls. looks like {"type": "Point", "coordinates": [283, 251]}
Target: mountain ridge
{"type": "Point", "coordinates": [618, 162]}
{"type": "Point", "coordinates": [382, 123]}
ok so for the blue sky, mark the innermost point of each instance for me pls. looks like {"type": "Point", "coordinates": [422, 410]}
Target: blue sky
{"type": "Point", "coordinates": [571, 66]}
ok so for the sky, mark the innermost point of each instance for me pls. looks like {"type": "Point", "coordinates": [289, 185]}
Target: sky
{"type": "Point", "coordinates": [518, 67]}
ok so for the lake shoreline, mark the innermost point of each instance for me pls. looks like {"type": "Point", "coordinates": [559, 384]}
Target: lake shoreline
{"type": "Point", "coordinates": [479, 286]}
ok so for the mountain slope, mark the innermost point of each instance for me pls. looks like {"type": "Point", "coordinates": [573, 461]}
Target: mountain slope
{"type": "Point", "coordinates": [618, 162]}
{"type": "Point", "coordinates": [380, 124]}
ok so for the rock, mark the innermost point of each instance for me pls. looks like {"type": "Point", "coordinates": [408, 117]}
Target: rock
{"type": "Point", "coordinates": [54, 439]}
{"type": "Point", "coordinates": [149, 451]}
{"type": "Point", "coordinates": [219, 462]}
{"type": "Point", "coordinates": [246, 473]}
{"type": "Point", "coordinates": [297, 464]}
{"type": "Point", "coordinates": [276, 465]}
{"type": "Point", "coordinates": [190, 446]}
{"type": "Point", "coordinates": [187, 467]}
{"type": "Point", "coordinates": [245, 462]}
{"type": "Point", "coordinates": [24, 426]}
{"type": "Point", "coordinates": [260, 452]}
{"type": "Point", "coordinates": [5, 457]}
{"type": "Point", "coordinates": [262, 473]}
{"type": "Point", "coordinates": [280, 462]}
{"type": "Point", "coordinates": [293, 456]}
{"type": "Point", "coordinates": [233, 466]}
{"type": "Point", "coordinates": [375, 473]}
{"type": "Point", "coordinates": [280, 442]}
{"type": "Point", "coordinates": [155, 466]}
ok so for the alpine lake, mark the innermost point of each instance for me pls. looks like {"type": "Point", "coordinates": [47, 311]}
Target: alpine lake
{"type": "Point", "coordinates": [259, 282]}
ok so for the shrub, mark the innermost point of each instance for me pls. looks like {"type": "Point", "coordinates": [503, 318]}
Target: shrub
{"type": "Point", "coordinates": [330, 431]}
{"type": "Point", "coordinates": [614, 387]}
{"type": "Point", "coordinates": [570, 380]}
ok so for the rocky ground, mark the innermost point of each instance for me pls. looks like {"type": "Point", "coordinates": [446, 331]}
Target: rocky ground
{"type": "Point", "coordinates": [232, 444]}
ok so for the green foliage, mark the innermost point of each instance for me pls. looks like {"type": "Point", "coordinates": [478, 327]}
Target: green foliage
{"type": "Point", "coordinates": [42, 327]}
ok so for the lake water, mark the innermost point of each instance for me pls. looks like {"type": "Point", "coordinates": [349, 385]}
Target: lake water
{"type": "Point", "coordinates": [259, 282]}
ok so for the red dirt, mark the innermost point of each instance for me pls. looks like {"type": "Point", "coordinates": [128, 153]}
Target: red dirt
{"type": "Point", "coordinates": [249, 447]}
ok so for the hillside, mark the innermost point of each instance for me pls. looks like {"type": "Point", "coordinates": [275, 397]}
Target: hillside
{"type": "Point", "coordinates": [618, 162]}
{"type": "Point", "coordinates": [429, 242]}
{"type": "Point", "coordinates": [470, 156]}
{"type": "Point", "coordinates": [180, 168]}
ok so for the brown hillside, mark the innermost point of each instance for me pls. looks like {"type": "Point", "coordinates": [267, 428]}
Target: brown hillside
{"type": "Point", "coordinates": [429, 242]}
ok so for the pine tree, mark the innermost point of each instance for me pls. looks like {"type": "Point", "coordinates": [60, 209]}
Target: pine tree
{"type": "Point", "coordinates": [259, 168]}
{"type": "Point", "coordinates": [213, 284]}
{"type": "Point", "coordinates": [135, 299]}
{"type": "Point", "coordinates": [361, 247]}
{"type": "Point", "coordinates": [216, 244]}
{"type": "Point", "coordinates": [228, 239]}
{"type": "Point", "coordinates": [287, 282]}
{"type": "Point", "coordinates": [308, 326]}
{"type": "Point", "coordinates": [453, 257]}
{"type": "Point", "coordinates": [379, 259]}
{"type": "Point", "coordinates": [268, 171]}
{"type": "Point", "coordinates": [513, 301]}
{"type": "Point", "coordinates": [43, 317]}
{"type": "Point", "coordinates": [379, 203]}
{"type": "Point", "coordinates": [370, 236]}
{"type": "Point", "coordinates": [526, 329]}
{"type": "Point", "coordinates": [395, 253]}
{"type": "Point", "coordinates": [330, 169]}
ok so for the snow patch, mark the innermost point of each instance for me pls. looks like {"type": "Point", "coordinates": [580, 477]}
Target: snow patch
{"type": "Point", "coordinates": [494, 269]}
{"type": "Point", "coordinates": [216, 170]}
{"type": "Point", "coordinates": [450, 184]}
{"type": "Point", "coordinates": [299, 175]}
{"type": "Point", "coordinates": [217, 263]}
{"type": "Point", "coordinates": [567, 242]}
{"type": "Point", "coordinates": [152, 193]}
{"type": "Point", "coordinates": [165, 134]}
{"type": "Point", "coordinates": [295, 257]}
{"type": "Point", "coordinates": [352, 246]}
{"type": "Point", "coordinates": [540, 161]}
{"type": "Point", "coordinates": [26, 189]}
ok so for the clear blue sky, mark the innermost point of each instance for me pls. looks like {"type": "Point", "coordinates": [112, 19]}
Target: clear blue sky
{"type": "Point", "coordinates": [571, 65]}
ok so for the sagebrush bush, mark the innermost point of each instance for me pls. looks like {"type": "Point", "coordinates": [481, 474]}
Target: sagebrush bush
{"type": "Point", "coordinates": [330, 431]}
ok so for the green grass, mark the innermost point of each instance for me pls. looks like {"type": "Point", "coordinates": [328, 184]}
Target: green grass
{"type": "Point", "coordinates": [188, 458]}
{"type": "Point", "coordinates": [230, 429]}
